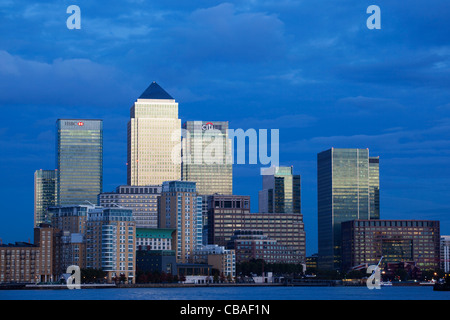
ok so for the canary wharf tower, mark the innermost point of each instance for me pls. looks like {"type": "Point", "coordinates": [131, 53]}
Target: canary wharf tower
{"type": "Point", "coordinates": [154, 139]}
{"type": "Point", "coordinates": [79, 161]}
{"type": "Point", "coordinates": [348, 188]}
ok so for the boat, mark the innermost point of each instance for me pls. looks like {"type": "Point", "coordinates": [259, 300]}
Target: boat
{"type": "Point", "coordinates": [442, 286]}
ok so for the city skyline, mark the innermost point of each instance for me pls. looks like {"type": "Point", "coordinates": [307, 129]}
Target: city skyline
{"type": "Point", "coordinates": [314, 72]}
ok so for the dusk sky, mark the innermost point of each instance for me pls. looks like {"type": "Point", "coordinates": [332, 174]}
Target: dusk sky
{"type": "Point", "coordinates": [311, 69]}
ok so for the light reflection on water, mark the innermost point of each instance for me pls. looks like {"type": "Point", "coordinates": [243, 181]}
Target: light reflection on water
{"type": "Point", "coordinates": [231, 293]}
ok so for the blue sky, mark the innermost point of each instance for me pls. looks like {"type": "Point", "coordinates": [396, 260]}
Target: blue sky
{"type": "Point", "coordinates": [311, 69]}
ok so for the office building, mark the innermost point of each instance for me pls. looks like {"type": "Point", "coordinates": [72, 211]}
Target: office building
{"type": "Point", "coordinates": [254, 244]}
{"type": "Point", "coordinates": [155, 239]}
{"type": "Point", "coordinates": [219, 257]}
{"type": "Point", "coordinates": [154, 139]}
{"type": "Point", "coordinates": [79, 161]}
{"type": "Point", "coordinates": [311, 262]}
{"type": "Point", "coordinates": [44, 194]}
{"type": "Point", "coordinates": [206, 156]}
{"type": "Point", "coordinates": [110, 242]}
{"type": "Point", "coordinates": [280, 192]}
{"type": "Point", "coordinates": [445, 254]}
{"type": "Point", "coordinates": [180, 208]}
{"type": "Point", "coordinates": [157, 261]}
{"type": "Point", "coordinates": [347, 189]}
{"type": "Point", "coordinates": [365, 241]}
{"type": "Point", "coordinates": [226, 214]}
{"type": "Point", "coordinates": [374, 187]}
{"type": "Point", "coordinates": [142, 200]}
{"type": "Point", "coordinates": [223, 204]}
{"type": "Point", "coordinates": [154, 250]}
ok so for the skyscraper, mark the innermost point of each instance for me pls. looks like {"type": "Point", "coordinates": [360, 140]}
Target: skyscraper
{"type": "Point", "coordinates": [206, 151]}
{"type": "Point", "coordinates": [44, 194]}
{"type": "Point", "coordinates": [180, 208]}
{"type": "Point", "coordinates": [347, 189]}
{"type": "Point", "coordinates": [110, 242]}
{"type": "Point", "coordinates": [154, 139]}
{"type": "Point", "coordinates": [79, 161]}
{"type": "Point", "coordinates": [281, 191]}
{"type": "Point", "coordinates": [374, 185]}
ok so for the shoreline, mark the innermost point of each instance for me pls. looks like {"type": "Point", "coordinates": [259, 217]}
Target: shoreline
{"type": "Point", "coordinates": [325, 283]}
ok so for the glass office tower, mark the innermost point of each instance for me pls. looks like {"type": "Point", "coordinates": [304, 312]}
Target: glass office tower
{"type": "Point", "coordinates": [79, 161]}
{"type": "Point", "coordinates": [347, 189]}
{"type": "Point", "coordinates": [281, 191]}
{"type": "Point", "coordinates": [206, 152]}
{"type": "Point", "coordinates": [374, 185]}
{"type": "Point", "coordinates": [154, 139]}
{"type": "Point", "coordinates": [44, 194]}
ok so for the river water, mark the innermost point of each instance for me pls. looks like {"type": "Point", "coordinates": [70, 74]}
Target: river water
{"type": "Point", "coordinates": [232, 293]}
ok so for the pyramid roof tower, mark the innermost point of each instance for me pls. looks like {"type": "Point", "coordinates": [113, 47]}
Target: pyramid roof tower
{"type": "Point", "coordinates": [154, 91]}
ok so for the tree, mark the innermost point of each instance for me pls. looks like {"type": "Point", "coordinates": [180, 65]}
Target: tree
{"type": "Point", "coordinates": [122, 278]}
{"type": "Point", "coordinates": [90, 275]}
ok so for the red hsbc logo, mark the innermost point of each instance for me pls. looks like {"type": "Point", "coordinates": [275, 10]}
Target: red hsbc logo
{"type": "Point", "coordinates": [80, 123]}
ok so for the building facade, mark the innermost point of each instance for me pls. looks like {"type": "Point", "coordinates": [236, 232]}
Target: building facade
{"type": "Point", "coordinates": [143, 200]}
{"type": "Point", "coordinates": [180, 208]}
{"type": "Point", "coordinates": [156, 261]}
{"type": "Point", "coordinates": [79, 161]}
{"type": "Point", "coordinates": [23, 262]}
{"type": "Point", "coordinates": [69, 223]}
{"type": "Point", "coordinates": [445, 253]}
{"type": "Point", "coordinates": [223, 204]}
{"type": "Point", "coordinates": [220, 258]}
{"type": "Point", "coordinates": [154, 139]}
{"type": "Point", "coordinates": [254, 244]}
{"type": "Point", "coordinates": [228, 214]}
{"type": "Point", "coordinates": [347, 189]}
{"type": "Point", "coordinates": [206, 156]}
{"type": "Point", "coordinates": [281, 191]}
{"type": "Point", "coordinates": [44, 194]}
{"type": "Point", "coordinates": [155, 239]}
{"type": "Point", "coordinates": [365, 241]}
{"type": "Point", "coordinates": [110, 242]}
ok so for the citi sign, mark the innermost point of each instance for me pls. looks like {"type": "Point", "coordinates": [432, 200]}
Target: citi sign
{"type": "Point", "coordinates": [207, 126]}
{"type": "Point", "coordinates": [235, 146]}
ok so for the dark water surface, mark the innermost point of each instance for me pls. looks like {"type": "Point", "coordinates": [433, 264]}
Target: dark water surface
{"type": "Point", "coordinates": [232, 293]}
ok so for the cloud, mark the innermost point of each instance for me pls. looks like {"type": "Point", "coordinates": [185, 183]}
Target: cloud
{"type": "Point", "coordinates": [434, 140]}
{"type": "Point", "coordinates": [220, 33]}
{"type": "Point", "coordinates": [413, 69]}
{"type": "Point", "coordinates": [366, 105]}
{"type": "Point", "coordinates": [68, 82]}
{"type": "Point", "coordinates": [293, 77]}
{"type": "Point", "coordinates": [284, 121]}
